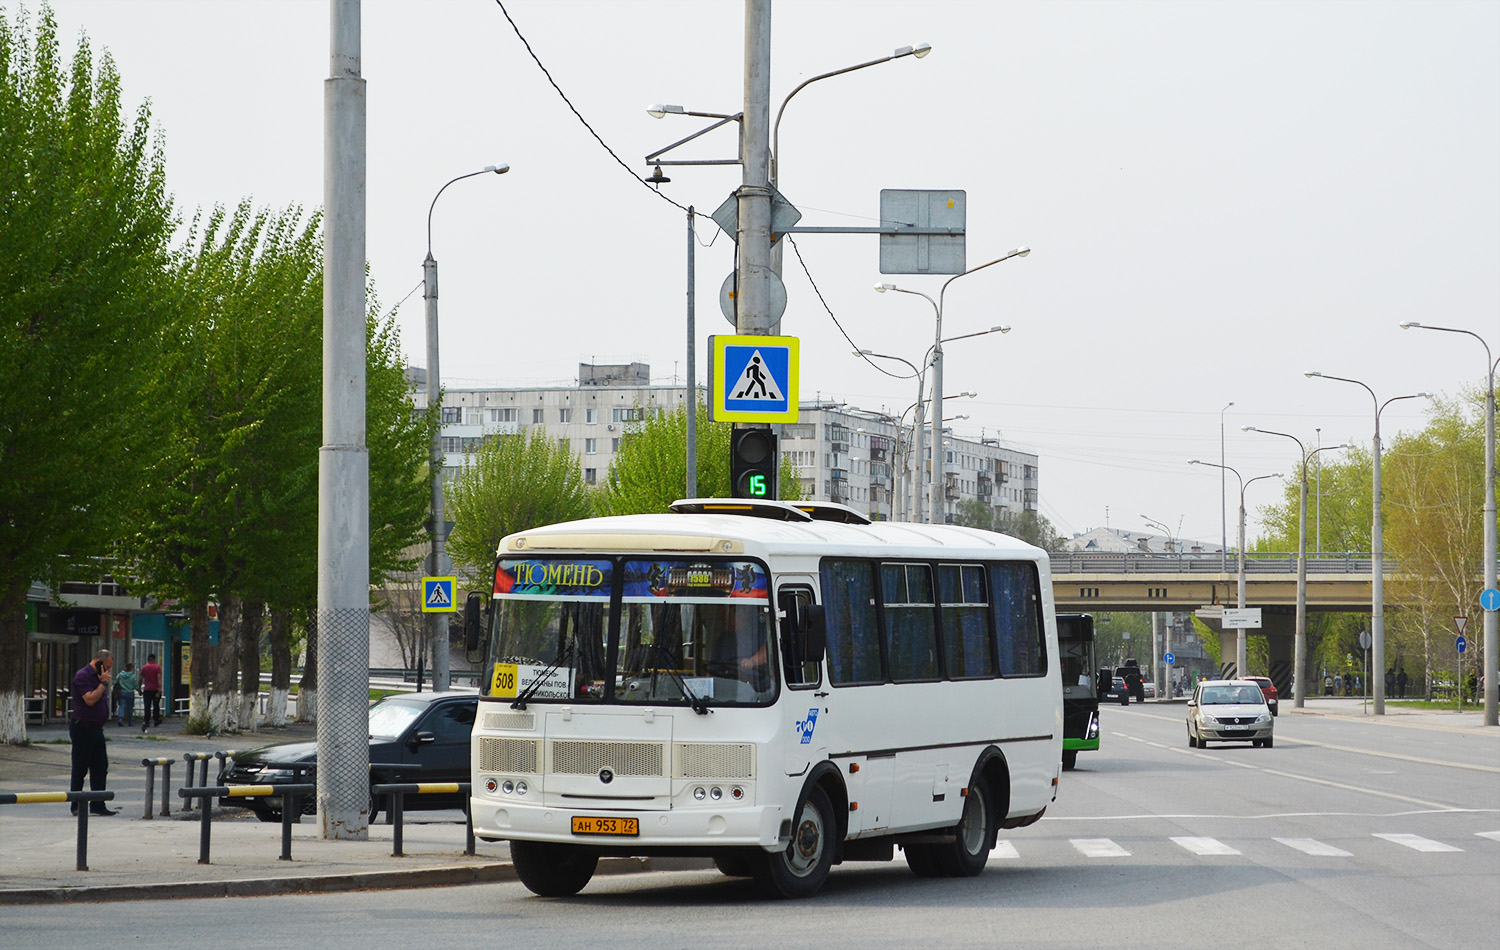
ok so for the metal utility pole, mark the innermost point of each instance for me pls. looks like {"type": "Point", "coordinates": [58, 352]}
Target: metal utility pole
{"type": "Point", "coordinates": [343, 460]}
{"type": "Point", "coordinates": [754, 275]}
{"type": "Point", "coordinates": [692, 362]}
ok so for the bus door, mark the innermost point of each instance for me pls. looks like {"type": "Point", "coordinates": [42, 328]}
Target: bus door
{"type": "Point", "coordinates": [805, 693]}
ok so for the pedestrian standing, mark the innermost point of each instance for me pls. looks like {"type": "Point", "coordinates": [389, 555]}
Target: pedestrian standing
{"type": "Point", "coordinates": [151, 691]}
{"type": "Point", "coordinates": [90, 712]}
{"type": "Point", "coordinates": [129, 683]}
{"type": "Point", "coordinates": [1401, 683]}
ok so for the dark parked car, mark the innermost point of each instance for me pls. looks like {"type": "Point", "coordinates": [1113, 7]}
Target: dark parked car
{"type": "Point", "coordinates": [427, 730]}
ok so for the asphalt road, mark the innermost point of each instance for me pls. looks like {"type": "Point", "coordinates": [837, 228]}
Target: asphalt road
{"type": "Point", "coordinates": [1346, 834]}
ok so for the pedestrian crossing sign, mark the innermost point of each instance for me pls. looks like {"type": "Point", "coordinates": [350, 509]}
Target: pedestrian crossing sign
{"type": "Point", "coordinates": [437, 595]}
{"type": "Point", "coordinates": [752, 378]}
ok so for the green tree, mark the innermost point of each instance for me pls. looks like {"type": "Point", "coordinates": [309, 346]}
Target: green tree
{"type": "Point", "coordinates": [85, 223]}
{"type": "Point", "coordinates": [1028, 526]}
{"type": "Point", "coordinates": [514, 483]}
{"type": "Point", "coordinates": [651, 470]}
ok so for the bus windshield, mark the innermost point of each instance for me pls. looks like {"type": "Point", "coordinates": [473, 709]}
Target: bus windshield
{"type": "Point", "coordinates": [688, 632]}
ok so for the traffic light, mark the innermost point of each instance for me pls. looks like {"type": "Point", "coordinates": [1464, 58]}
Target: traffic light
{"type": "Point", "coordinates": [753, 465]}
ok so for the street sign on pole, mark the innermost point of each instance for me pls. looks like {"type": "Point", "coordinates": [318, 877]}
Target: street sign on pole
{"type": "Point", "coordinates": [1364, 640]}
{"type": "Point", "coordinates": [1460, 623]}
{"type": "Point", "coordinates": [1240, 618]}
{"type": "Point", "coordinates": [1169, 659]}
{"type": "Point", "coordinates": [1461, 643]}
{"type": "Point", "coordinates": [922, 253]}
{"type": "Point", "coordinates": [1489, 598]}
{"type": "Point", "coordinates": [437, 595]}
{"type": "Point", "coordinates": [752, 378]}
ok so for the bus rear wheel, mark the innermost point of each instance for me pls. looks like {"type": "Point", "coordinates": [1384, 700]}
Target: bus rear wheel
{"type": "Point", "coordinates": [552, 870]}
{"type": "Point", "coordinates": [1070, 758]}
{"type": "Point", "coordinates": [972, 836]}
{"type": "Point", "coordinates": [800, 869]}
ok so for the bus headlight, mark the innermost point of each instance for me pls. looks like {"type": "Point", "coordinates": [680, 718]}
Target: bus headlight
{"type": "Point", "coordinates": [700, 793]}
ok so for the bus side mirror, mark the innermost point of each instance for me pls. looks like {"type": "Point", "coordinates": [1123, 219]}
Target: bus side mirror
{"type": "Point", "coordinates": [814, 633]}
{"type": "Point", "coordinates": [473, 626]}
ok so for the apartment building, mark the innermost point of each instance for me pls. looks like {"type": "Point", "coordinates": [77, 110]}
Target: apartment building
{"type": "Point", "coordinates": [843, 454]}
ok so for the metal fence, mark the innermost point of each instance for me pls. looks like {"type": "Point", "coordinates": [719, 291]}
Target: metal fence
{"type": "Point", "coordinates": [1357, 562]}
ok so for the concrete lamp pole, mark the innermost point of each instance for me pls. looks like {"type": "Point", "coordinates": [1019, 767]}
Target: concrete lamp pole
{"type": "Point", "coordinates": [1491, 579]}
{"type": "Point", "coordinates": [935, 503]}
{"type": "Point", "coordinates": [1241, 653]}
{"type": "Point", "coordinates": [437, 562]}
{"type": "Point", "coordinates": [1377, 546]}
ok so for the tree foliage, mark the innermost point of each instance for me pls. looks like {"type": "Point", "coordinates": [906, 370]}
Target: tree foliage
{"type": "Point", "coordinates": [514, 483]}
{"type": "Point", "coordinates": [85, 223]}
{"type": "Point", "coordinates": [1029, 526]}
{"type": "Point", "coordinates": [650, 472]}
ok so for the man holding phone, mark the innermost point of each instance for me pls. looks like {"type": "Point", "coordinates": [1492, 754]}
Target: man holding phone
{"type": "Point", "coordinates": [90, 694]}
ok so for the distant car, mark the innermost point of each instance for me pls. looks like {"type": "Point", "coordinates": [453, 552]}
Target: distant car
{"type": "Point", "coordinates": [427, 730]}
{"type": "Point", "coordinates": [1134, 679]}
{"type": "Point", "coordinates": [1267, 689]}
{"type": "Point", "coordinates": [1148, 689]}
{"type": "Point", "coordinates": [1117, 688]}
{"type": "Point", "coordinates": [1228, 711]}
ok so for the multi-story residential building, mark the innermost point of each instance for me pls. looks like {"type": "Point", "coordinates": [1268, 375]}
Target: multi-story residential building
{"type": "Point", "coordinates": [843, 454]}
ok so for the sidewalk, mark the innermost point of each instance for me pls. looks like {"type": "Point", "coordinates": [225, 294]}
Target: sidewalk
{"type": "Point", "coordinates": [130, 858]}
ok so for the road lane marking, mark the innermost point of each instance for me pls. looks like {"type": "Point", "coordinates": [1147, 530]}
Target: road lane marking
{"type": "Point", "coordinates": [1314, 847]}
{"type": "Point", "coordinates": [1418, 843]}
{"type": "Point", "coordinates": [1492, 835]}
{"type": "Point", "coordinates": [1004, 849]}
{"type": "Point", "coordinates": [1205, 846]}
{"type": "Point", "coordinates": [1344, 748]}
{"type": "Point", "coordinates": [1099, 848]}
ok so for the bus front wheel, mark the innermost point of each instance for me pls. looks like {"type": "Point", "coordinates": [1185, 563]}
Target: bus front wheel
{"type": "Point", "coordinates": [800, 869]}
{"type": "Point", "coordinates": [552, 870]}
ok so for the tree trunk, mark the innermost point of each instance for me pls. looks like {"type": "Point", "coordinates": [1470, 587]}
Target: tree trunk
{"type": "Point", "coordinates": [307, 692]}
{"type": "Point", "coordinates": [224, 703]}
{"type": "Point", "coordinates": [252, 623]}
{"type": "Point", "coordinates": [281, 670]}
{"type": "Point", "coordinates": [201, 665]}
{"type": "Point", "coordinates": [13, 666]}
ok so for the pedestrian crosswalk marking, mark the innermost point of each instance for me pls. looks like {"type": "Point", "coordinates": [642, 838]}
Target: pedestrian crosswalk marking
{"type": "Point", "coordinates": [1418, 843]}
{"type": "Point", "coordinates": [1004, 849]}
{"type": "Point", "coordinates": [1099, 848]}
{"type": "Point", "coordinates": [1314, 847]}
{"type": "Point", "coordinates": [1205, 846]}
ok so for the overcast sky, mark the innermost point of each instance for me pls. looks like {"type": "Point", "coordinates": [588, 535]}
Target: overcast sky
{"type": "Point", "coordinates": [1219, 197]}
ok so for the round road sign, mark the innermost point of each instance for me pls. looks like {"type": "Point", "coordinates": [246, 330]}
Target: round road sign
{"type": "Point", "coordinates": [1462, 643]}
{"type": "Point", "coordinates": [1169, 659]}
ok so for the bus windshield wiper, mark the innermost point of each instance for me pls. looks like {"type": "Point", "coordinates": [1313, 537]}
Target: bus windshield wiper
{"type": "Point", "coordinates": [700, 706]}
{"type": "Point", "coordinates": [565, 653]}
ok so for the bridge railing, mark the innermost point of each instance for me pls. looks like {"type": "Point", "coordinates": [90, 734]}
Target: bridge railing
{"type": "Point", "coordinates": [1356, 562]}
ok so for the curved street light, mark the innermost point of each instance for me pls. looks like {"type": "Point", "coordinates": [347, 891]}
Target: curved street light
{"type": "Point", "coordinates": [1241, 653]}
{"type": "Point", "coordinates": [1377, 544]}
{"type": "Point", "coordinates": [437, 559]}
{"type": "Point", "coordinates": [935, 504]}
{"type": "Point", "coordinates": [1491, 578]}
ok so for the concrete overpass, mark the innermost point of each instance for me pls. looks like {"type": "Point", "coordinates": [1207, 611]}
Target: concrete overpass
{"type": "Point", "coordinates": [1204, 584]}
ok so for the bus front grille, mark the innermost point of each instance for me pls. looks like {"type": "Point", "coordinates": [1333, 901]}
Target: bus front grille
{"type": "Point", "coordinates": [518, 721]}
{"type": "Point", "coordinates": [507, 755]}
{"type": "Point", "coordinates": [706, 760]}
{"type": "Point", "coordinates": [570, 757]}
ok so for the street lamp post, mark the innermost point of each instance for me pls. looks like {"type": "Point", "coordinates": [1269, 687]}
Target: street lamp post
{"type": "Point", "coordinates": [437, 559]}
{"type": "Point", "coordinates": [1223, 529]}
{"type": "Point", "coordinates": [935, 504]}
{"type": "Point", "coordinates": [1377, 545]}
{"type": "Point", "coordinates": [1299, 660]}
{"type": "Point", "coordinates": [920, 375]}
{"type": "Point", "coordinates": [1241, 652]}
{"type": "Point", "coordinates": [1491, 579]}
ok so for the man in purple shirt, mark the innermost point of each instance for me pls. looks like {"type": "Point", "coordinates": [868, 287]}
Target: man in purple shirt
{"type": "Point", "coordinates": [90, 694]}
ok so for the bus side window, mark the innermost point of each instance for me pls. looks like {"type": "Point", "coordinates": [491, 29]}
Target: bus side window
{"type": "Point", "coordinates": [853, 630]}
{"type": "Point", "coordinates": [793, 603]}
{"type": "Point", "coordinates": [1018, 624]}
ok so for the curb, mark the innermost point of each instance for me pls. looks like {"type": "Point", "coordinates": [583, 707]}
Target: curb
{"type": "Point", "coordinates": [325, 884]}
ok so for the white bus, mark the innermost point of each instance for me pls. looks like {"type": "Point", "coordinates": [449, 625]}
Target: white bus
{"type": "Point", "coordinates": [778, 686]}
